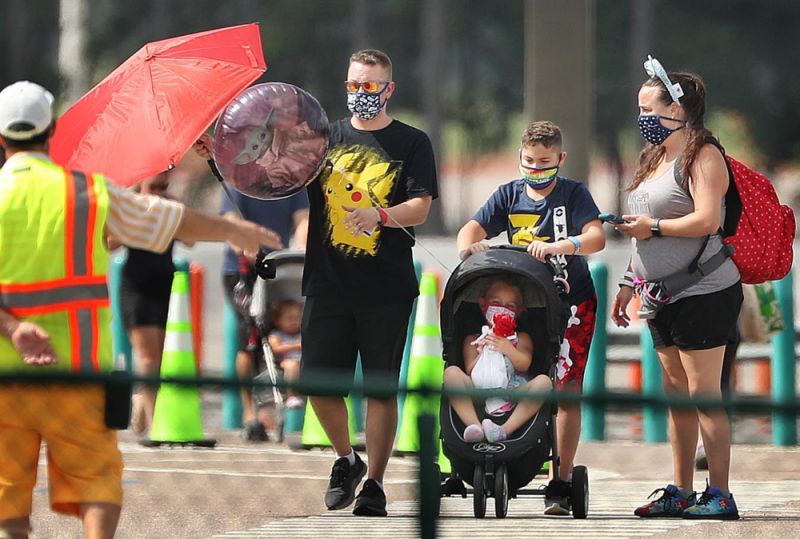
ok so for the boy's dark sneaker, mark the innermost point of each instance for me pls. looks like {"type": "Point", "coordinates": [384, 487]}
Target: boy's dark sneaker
{"type": "Point", "coordinates": [670, 504]}
{"type": "Point", "coordinates": [371, 501]}
{"type": "Point", "coordinates": [556, 497]}
{"type": "Point", "coordinates": [713, 505]}
{"type": "Point", "coordinates": [344, 480]}
{"type": "Point", "coordinates": [254, 432]}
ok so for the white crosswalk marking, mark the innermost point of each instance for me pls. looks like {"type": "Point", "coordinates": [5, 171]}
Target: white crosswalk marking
{"type": "Point", "coordinates": [610, 515]}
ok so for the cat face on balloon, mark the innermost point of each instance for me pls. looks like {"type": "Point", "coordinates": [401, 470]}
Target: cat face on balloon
{"type": "Point", "coordinates": [356, 177]}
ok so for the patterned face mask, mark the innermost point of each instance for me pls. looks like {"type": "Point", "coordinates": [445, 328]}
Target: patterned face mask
{"type": "Point", "coordinates": [653, 131]}
{"type": "Point", "coordinates": [538, 178]}
{"type": "Point", "coordinates": [365, 106]}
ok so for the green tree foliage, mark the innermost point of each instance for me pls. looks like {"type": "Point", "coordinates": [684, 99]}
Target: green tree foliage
{"type": "Point", "coordinates": [744, 49]}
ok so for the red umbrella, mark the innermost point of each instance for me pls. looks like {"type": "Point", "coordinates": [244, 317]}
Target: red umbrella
{"type": "Point", "coordinates": [142, 118]}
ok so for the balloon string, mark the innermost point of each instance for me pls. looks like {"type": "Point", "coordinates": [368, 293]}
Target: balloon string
{"type": "Point", "coordinates": [215, 171]}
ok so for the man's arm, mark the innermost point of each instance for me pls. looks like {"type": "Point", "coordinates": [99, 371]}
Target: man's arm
{"type": "Point", "coordinates": [242, 235]}
{"type": "Point", "coordinates": [31, 341]}
{"type": "Point", "coordinates": [300, 236]}
{"type": "Point", "coordinates": [151, 223]}
{"type": "Point", "coordinates": [409, 213]}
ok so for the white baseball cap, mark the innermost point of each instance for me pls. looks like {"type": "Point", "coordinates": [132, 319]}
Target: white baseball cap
{"type": "Point", "coordinates": [26, 110]}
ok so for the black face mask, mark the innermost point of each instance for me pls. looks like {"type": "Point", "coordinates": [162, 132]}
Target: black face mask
{"type": "Point", "coordinates": [653, 131]}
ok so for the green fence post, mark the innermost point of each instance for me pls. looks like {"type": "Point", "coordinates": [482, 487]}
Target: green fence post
{"type": "Point", "coordinates": [594, 380]}
{"type": "Point", "coordinates": [654, 416]}
{"type": "Point", "coordinates": [357, 396]}
{"type": "Point", "coordinates": [231, 401]}
{"type": "Point", "coordinates": [122, 346]}
{"type": "Point", "coordinates": [784, 423]}
{"type": "Point", "coordinates": [401, 398]}
{"type": "Point", "coordinates": [429, 493]}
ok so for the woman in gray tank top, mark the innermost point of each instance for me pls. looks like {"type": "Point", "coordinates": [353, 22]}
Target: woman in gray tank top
{"type": "Point", "coordinates": [674, 222]}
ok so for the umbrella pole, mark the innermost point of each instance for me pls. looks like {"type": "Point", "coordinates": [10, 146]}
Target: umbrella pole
{"type": "Point", "coordinates": [215, 171]}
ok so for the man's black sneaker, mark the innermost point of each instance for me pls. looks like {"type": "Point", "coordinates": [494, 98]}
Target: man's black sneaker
{"type": "Point", "coordinates": [371, 501]}
{"type": "Point", "coordinates": [556, 497]}
{"type": "Point", "coordinates": [344, 480]}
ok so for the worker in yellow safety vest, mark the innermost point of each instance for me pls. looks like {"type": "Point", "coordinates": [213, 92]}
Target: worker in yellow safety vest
{"type": "Point", "coordinates": [54, 312]}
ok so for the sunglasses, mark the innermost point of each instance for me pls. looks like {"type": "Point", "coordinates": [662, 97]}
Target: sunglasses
{"type": "Point", "coordinates": [369, 86]}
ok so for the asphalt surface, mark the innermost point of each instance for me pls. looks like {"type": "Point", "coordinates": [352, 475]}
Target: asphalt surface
{"type": "Point", "coordinates": [267, 490]}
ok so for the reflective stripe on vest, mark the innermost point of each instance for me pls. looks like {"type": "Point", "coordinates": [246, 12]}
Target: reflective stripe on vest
{"type": "Point", "coordinates": [80, 293]}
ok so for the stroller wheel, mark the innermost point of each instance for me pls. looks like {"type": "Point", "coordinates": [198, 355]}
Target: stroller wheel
{"type": "Point", "coordinates": [580, 492]}
{"type": "Point", "coordinates": [479, 492]}
{"type": "Point", "coordinates": [501, 492]}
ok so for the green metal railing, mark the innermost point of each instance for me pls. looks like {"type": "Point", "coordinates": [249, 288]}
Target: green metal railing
{"type": "Point", "coordinates": [784, 406]}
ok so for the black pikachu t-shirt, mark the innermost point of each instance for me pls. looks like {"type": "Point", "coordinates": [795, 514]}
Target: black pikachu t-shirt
{"type": "Point", "coordinates": [366, 169]}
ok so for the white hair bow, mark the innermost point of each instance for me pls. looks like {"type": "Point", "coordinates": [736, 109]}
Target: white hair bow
{"type": "Point", "coordinates": [655, 69]}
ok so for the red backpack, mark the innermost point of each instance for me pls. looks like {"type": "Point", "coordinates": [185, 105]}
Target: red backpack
{"type": "Point", "coordinates": [758, 226]}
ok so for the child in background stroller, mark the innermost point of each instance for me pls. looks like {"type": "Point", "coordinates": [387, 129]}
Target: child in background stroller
{"type": "Point", "coordinates": [280, 280]}
{"type": "Point", "coordinates": [284, 339]}
{"type": "Point", "coordinates": [501, 468]}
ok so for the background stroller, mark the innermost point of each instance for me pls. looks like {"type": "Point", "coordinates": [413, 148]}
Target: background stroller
{"type": "Point", "coordinates": [279, 278]}
{"type": "Point", "coordinates": [501, 469]}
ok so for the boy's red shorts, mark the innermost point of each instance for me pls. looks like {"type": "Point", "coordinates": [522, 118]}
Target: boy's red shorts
{"type": "Point", "coordinates": [575, 348]}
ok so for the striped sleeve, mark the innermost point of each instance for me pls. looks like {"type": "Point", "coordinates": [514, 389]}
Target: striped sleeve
{"type": "Point", "coordinates": [142, 221]}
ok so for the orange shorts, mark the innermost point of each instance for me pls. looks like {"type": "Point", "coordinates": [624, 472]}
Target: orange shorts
{"type": "Point", "coordinates": [83, 462]}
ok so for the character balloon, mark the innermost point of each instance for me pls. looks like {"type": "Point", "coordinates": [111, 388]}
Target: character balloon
{"type": "Point", "coordinates": [271, 140]}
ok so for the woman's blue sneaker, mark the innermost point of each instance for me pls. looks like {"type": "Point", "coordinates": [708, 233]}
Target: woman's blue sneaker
{"type": "Point", "coordinates": [670, 504]}
{"type": "Point", "coordinates": [713, 505]}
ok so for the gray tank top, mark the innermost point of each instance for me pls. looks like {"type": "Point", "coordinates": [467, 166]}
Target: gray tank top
{"type": "Point", "coordinates": [655, 258]}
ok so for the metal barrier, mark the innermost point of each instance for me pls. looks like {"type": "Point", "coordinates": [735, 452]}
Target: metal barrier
{"type": "Point", "coordinates": [787, 407]}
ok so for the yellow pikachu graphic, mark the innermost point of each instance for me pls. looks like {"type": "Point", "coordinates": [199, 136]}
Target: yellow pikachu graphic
{"type": "Point", "coordinates": [527, 228]}
{"type": "Point", "coordinates": [357, 180]}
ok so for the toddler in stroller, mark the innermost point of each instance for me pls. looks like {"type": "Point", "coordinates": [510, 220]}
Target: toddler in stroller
{"type": "Point", "coordinates": [284, 339]}
{"type": "Point", "coordinates": [503, 296]}
{"type": "Point", "coordinates": [512, 446]}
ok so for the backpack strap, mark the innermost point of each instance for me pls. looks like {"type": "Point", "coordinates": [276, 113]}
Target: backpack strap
{"type": "Point", "coordinates": [733, 204]}
{"type": "Point", "coordinates": [681, 280]}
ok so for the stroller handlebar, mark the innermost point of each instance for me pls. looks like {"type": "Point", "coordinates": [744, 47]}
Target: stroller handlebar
{"type": "Point", "coordinates": [267, 262]}
{"type": "Point", "coordinates": [556, 267]}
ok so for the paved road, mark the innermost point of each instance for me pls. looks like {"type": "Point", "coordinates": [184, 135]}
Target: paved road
{"type": "Point", "coordinates": [244, 490]}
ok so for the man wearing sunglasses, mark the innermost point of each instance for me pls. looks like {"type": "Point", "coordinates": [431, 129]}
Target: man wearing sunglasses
{"type": "Point", "coordinates": [359, 279]}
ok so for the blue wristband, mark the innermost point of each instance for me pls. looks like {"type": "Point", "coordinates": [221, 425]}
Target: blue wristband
{"type": "Point", "coordinates": [576, 242]}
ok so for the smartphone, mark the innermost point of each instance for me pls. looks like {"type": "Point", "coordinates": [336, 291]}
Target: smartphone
{"type": "Point", "coordinates": [611, 218]}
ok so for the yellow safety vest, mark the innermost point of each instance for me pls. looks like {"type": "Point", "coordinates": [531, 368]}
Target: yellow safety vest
{"type": "Point", "coordinates": [53, 261]}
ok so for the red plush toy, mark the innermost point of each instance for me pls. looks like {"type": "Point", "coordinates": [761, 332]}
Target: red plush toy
{"type": "Point", "coordinates": [504, 325]}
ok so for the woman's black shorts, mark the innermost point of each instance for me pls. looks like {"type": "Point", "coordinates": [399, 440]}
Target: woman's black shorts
{"type": "Point", "coordinates": [144, 305]}
{"type": "Point", "coordinates": [698, 322]}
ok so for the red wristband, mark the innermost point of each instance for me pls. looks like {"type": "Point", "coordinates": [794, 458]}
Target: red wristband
{"type": "Point", "coordinates": [383, 215]}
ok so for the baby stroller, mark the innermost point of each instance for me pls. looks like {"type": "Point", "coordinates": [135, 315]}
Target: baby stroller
{"type": "Point", "coordinates": [279, 278]}
{"type": "Point", "coordinates": [501, 469]}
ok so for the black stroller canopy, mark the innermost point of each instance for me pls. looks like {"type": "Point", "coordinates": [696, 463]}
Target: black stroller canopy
{"type": "Point", "coordinates": [470, 280]}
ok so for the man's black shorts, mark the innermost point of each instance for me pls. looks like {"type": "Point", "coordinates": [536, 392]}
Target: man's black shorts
{"type": "Point", "coordinates": [334, 332]}
{"type": "Point", "coordinates": [698, 322]}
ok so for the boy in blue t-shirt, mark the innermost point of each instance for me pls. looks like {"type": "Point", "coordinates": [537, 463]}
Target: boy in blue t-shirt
{"type": "Point", "coordinates": [552, 215]}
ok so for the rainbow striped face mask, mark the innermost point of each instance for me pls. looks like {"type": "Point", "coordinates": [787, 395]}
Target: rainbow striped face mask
{"type": "Point", "coordinates": [538, 178]}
